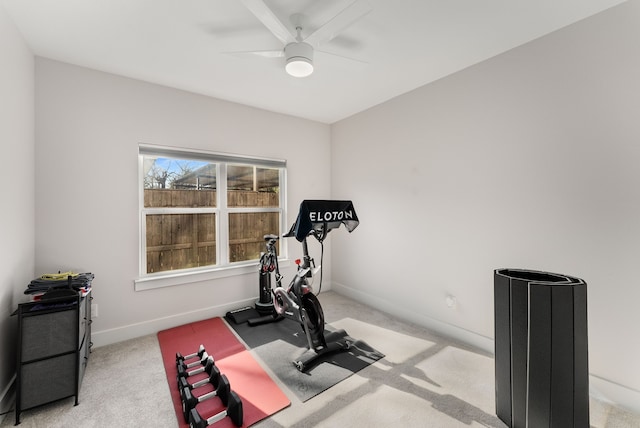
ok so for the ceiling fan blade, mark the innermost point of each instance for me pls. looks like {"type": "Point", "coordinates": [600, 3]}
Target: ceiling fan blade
{"type": "Point", "coordinates": [341, 21]}
{"type": "Point", "coordinates": [266, 54]}
{"type": "Point", "coordinates": [348, 58]}
{"type": "Point", "coordinates": [270, 20]}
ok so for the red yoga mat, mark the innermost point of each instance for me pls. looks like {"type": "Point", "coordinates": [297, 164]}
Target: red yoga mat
{"type": "Point", "coordinates": [260, 396]}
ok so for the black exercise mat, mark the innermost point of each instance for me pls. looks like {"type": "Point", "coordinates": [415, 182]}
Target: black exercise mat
{"type": "Point", "coordinates": [279, 343]}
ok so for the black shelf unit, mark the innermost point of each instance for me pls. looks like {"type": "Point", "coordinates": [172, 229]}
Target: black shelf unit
{"type": "Point", "coordinates": [54, 343]}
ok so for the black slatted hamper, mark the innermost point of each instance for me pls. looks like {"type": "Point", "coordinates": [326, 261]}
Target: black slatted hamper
{"type": "Point", "coordinates": [541, 349]}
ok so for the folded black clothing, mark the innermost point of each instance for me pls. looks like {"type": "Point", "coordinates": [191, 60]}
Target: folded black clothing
{"type": "Point", "coordinates": [77, 282]}
{"type": "Point", "coordinates": [42, 306]}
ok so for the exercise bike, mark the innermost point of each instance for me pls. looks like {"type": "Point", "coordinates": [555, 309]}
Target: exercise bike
{"type": "Point", "coordinates": [298, 302]}
{"type": "Point", "coordinates": [268, 265]}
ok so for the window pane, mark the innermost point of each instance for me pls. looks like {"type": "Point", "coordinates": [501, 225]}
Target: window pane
{"type": "Point", "coordinates": [178, 183]}
{"type": "Point", "coordinates": [246, 234]}
{"type": "Point", "coordinates": [180, 241]}
{"type": "Point", "coordinates": [252, 186]}
{"type": "Point", "coordinates": [240, 177]}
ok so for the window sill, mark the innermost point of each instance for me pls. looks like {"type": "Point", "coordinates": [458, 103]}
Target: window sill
{"type": "Point", "coordinates": [172, 279]}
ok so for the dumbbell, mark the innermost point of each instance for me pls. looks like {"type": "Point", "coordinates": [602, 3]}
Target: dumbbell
{"type": "Point", "coordinates": [199, 353]}
{"type": "Point", "coordinates": [184, 372]}
{"type": "Point", "coordinates": [214, 378]}
{"type": "Point", "coordinates": [201, 361]}
{"type": "Point", "coordinates": [233, 411]}
{"type": "Point", "coordinates": [189, 401]}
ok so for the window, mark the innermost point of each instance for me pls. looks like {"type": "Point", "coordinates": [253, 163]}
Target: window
{"type": "Point", "coordinates": [202, 211]}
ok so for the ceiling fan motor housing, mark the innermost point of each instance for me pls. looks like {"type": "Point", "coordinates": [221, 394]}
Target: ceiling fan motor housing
{"type": "Point", "coordinates": [299, 56]}
{"type": "Point", "coordinates": [298, 49]}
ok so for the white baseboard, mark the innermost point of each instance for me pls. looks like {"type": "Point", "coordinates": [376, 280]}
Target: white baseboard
{"type": "Point", "coordinates": [614, 393]}
{"type": "Point", "coordinates": [131, 331]}
{"type": "Point", "coordinates": [599, 388]}
{"type": "Point", "coordinates": [439, 327]}
{"type": "Point", "coordinates": [7, 398]}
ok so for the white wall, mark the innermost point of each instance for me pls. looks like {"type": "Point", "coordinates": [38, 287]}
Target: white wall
{"type": "Point", "coordinates": [88, 127]}
{"type": "Point", "coordinates": [528, 160]}
{"type": "Point", "coordinates": [17, 178]}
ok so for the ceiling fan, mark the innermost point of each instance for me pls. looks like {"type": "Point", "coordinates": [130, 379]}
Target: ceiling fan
{"type": "Point", "coordinates": [298, 51]}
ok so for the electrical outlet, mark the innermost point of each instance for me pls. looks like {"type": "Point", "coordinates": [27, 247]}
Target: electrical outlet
{"type": "Point", "coordinates": [94, 310]}
{"type": "Point", "coordinates": [451, 301]}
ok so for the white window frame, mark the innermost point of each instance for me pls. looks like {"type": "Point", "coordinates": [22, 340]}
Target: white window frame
{"type": "Point", "coordinates": [222, 268]}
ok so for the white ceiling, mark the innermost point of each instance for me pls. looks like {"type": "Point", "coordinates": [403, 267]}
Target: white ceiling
{"type": "Point", "coordinates": [400, 44]}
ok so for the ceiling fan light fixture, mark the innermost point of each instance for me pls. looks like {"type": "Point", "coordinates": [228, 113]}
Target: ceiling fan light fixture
{"type": "Point", "coordinates": [299, 56]}
{"type": "Point", "coordinates": [299, 67]}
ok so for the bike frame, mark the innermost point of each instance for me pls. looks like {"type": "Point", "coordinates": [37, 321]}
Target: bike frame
{"type": "Point", "coordinates": [294, 302]}
{"type": "Point", "coordinates": [268, 264]}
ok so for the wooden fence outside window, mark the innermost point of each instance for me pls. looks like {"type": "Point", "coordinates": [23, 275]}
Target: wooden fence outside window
{"type": "Point", "coordinates": [181, 241]}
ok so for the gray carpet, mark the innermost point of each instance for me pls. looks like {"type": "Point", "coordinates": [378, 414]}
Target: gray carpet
{"type": "Point", "coordinates": [418, 384]}
{"type": "Point", "coordinates": [424, 381]}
